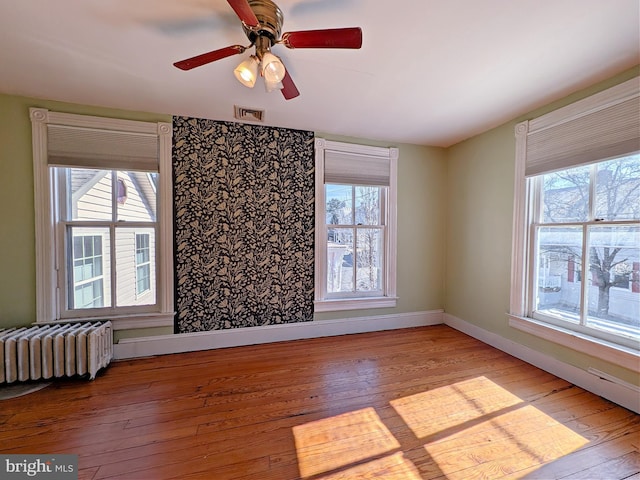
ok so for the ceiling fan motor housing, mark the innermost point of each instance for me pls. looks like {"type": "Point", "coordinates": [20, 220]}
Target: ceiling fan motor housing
{"type": "Point", "coordinates": [270, 17]}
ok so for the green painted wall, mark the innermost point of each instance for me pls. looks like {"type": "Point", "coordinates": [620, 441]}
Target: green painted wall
{"type": "Point", "coordinates": [479, 206]}
{"type": "Point", "coordinates": [17, 243]}
{"type": "Point", "coordinates": [17, 229]}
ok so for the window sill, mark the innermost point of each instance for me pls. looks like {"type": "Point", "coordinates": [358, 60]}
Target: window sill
{"type": "Point", "coordinates": [354, 304]}
{"type": "Point", "coordinates": [126, 322]}
{"type": "Point", "coordinates": [616, 354]}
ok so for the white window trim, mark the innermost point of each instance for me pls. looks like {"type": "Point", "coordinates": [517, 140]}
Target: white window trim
{"type": "Point", "coordinates": [596, 347]}
{"type": "Point", "coordinates": [521, 251]}
{"type": "Point", "coordinates": [389, 300]}
{"type": "Point", "coordinates": [47, 309]}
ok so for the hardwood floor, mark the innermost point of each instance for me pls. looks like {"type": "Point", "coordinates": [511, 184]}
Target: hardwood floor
{"type": "Point", "coordinates": [420, 403]}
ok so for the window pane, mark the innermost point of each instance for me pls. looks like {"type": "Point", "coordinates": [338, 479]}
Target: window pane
{"type": "Point", "coordinates": [367, 205]}
{"type": "Point", "coordinates": [559, 275]}
{"type": "Point", "coordinates": [89, 194]}
{"type": "Point", "coordinates": [340, 260]}
{"type": "Point", "coordinates": [565, 196]}
{"type": "Point", "coordinates": [618, 189]}
{"type": "Point", "coordinates": [339, 204]}
{"type": "Point", "coordinates": [140, 202]}
{"type": "Point", "coordinates": [88, 286]}
{"type": "Point", "coordinates": [135, 282]}
{"type": "Point", "coordinates": [369, 259]}
{"type": "Point", "coordinates": [614, 282]}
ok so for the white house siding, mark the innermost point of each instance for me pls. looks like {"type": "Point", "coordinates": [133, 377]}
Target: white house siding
{"type": "Point", "coordinates": [95, 202]}
{"type": "Point", "coordinates": [135, 208]}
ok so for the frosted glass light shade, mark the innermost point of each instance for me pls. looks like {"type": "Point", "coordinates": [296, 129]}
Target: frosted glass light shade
{"type": "Point", "coordinates": [247, 72]}
{"type": "Point", "coordinates": [272, 68]}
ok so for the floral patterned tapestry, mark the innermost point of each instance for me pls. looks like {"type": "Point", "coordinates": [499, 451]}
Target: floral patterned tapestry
{"type": "Point", "coordinates": [244, 223]}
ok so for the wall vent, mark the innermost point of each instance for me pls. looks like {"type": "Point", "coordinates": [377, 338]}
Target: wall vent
{"type": "Point", "coordinates": [250, 114]}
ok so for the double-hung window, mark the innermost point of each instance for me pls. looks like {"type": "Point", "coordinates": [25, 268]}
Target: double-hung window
{"type": "Point", "coordinates": [103, 219]}
{"type": "Point", "coordinates": [355, 226]}
{"type": "Point", "coordinates": [576, 253]}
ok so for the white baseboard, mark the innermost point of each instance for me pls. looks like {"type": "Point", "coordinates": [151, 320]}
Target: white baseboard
{"type": "Point", "coordinates": [609, 388]}
{"type": "Point", "coordinates": [188, 342]}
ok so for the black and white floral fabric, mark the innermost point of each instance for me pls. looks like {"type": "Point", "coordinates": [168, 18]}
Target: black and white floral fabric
{"type": "Point", "coordinates": [244, 221]}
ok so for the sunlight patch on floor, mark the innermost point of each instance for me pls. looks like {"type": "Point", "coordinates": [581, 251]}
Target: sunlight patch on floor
{"type": "Point", "coordinates": [333, 443]}
{"type": "Point", "coordinates": [481, 425]}
{"type": "Point", "coordinates": [471, 428]}
{"type": "Point", "coordinates": [506, 444]}
{"type": "Point", "coordinates": [456, 404]}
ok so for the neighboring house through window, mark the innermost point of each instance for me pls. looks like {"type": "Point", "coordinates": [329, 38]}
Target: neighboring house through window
{"type": "Point", "coordinates": [103, 227]}
{"type": "Point", "coordinates": [355, 226]}
{"type": "Point", "coordinates": [88, 278]}
{"type": "Point", "coordinates": [576, 253]}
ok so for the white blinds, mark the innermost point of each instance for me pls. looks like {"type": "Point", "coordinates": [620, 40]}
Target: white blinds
{"type": "Point", "coordinates": [355, 168]}
{"type": "Point", "coordinates": [99, 148]}
{"type": "Point", "coordinates": [598, 128]}
{"type": "Point", "coordinates": [606, 133]}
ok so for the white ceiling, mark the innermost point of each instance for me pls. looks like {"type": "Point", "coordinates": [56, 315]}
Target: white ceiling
{"type": "Point", "coordinates": [430, 72]}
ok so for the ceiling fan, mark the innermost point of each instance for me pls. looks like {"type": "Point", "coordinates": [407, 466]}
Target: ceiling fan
{"type": "Point", "coordinates": [262, 24]}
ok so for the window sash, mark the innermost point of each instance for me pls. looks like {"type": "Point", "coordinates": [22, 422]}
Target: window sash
{"type": "Point", "coordinates": [110, 305]}
{"type": "Point", "coordinates": [583, 317]}
{"type": "Point", "coordinates": [355, 292]}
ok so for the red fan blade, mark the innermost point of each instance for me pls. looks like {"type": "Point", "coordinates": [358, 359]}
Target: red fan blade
{"type": "Point", "coordinates": [209, 57]}
{"type": "Point", "coordinates": [244, 12]}
{"type": "Point", "coordinates": [328, 38]}
{"type": "Point", "coordinates": [289, 89]}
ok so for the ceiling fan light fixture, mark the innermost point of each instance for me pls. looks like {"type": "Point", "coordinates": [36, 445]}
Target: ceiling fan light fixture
{"type": "Point", "coordinates": [247, 71]}
{"type": "Point", "coordinates": [273, 69]}
{"type": "Point", "coordinates": [262, 24]}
